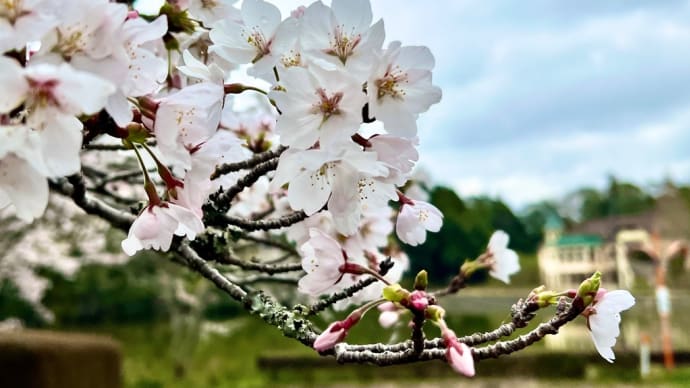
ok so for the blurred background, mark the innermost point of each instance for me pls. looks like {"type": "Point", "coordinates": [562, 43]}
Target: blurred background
{"type": "Point", "coordinates": [565, 124]}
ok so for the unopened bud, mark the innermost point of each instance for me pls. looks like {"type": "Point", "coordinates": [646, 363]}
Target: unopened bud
{"type": "Point", "coordinates": [468, 268]}
{"type": "Point", "coordinates": [588, 289]}
{"type": "Point", "coordinates": [137, 133]}
{"type": "Point", "coordinates": [395, 293]}
{"type": "Point", "coordinates": [434, 313]}
{"type": "Point", "coordinates": [421, 281]}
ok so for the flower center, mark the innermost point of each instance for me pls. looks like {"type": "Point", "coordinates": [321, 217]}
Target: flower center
{"type": "Point", "coordinates": [327, 105]}
{"type": "Point", "coordinates": [389, 85]}
{"type": "Point", "coordinates": [342, 44]}
{"type": "Point", "coordinates": [256, 38]}
{"type": "Point", "coordinates": [43, 92]}
{"type": "Point", "coordinates": [209, 4]}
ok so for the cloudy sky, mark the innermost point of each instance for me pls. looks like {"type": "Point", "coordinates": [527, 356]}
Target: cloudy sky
{"type": "Point", "coordinates": [541, 97]}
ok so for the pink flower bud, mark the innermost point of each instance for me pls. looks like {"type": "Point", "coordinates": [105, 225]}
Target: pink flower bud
{"type": "Point", "coordinates": [336, 332]}
{"type": "Point", "coordinates": [419, 300]}
{"type": "Point", "coordinates": [458, 354]}
{"type": "Point", "coordinates": [332, 335]}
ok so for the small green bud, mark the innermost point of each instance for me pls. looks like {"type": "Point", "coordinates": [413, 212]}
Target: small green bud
{"type": "Point", "coordinates": [178, 19]}
{"type": "Point", "coordinates": [137, 133]}
{"type": "Point", "coordinates": [434, 313]}
{"type": "Point", "coordinates": [547, 298]}
{"type": "Point", "coordinates": [588, 289]}
{"type": "Point", "coordinates": [469, 267]}
{"type": "Point", "coordinates": [421, 281]}
{"type": "Point", "coordinates": [395, 293]}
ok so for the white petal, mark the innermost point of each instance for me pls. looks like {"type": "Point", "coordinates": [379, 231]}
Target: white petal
{"type": "Point", "coordinates": [25, 187]}
{"type": "Point", "coordinates": [309, 191]}
{"type": "Point", "coordinates": [14, 86]}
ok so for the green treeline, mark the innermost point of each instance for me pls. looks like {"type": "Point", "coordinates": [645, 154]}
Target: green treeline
{"type": "Point", "coordinates": [468, 223]}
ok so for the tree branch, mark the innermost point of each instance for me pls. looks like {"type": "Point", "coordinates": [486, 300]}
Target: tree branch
{"type": "Point", "coordinates": [222, 200]}
{"type": "Point", "coordinates": [246, 164]}
{"type": "Point", "coordinates": [75, 188]}
{"type": "Point", "coordinates": [323, 304]}
{"type": "Point", "coordinates": [271, 223]}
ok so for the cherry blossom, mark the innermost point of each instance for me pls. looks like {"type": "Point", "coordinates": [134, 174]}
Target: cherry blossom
{"type": "Point", "coordinates": [322, 259]}
{"type": "Point", "coordinates": [399, 155]}
{"type": "Point", "coordinates": [260, 38]}
{"type": "Point", "coordinates": [372, 260]}
{"type": "Point", "coordinates": [24, 21]}
{"type": "Point", "coordinates": [400, 88]}
{"type": "Point", "coordinates": [504, 261]}
{"type": "Point", "coordinates": [53, 95]}
{"type": "Point", "coordinates": [334, 333]}
{"type": "Point", "coordinates": [22, 173]}
{"type": "Point", "coordinates": [186, 119]}
{"type": "Point", "coordinates": [210, 11]}
{"type": "Point", "coordinates": [414, 219]}
{"type": "Point", "coordinates": [156, 225]}
{"type": "Point", "coordinates": [144, 70]}
{"type": "Point", "coordinates": [342, 34]}
{"type": "Point", "coordinates": [603, 319]}
{"type": "Point", "coordinates": [318, 105]}
{"type": "Point", "coordinates": [318, 177]}
{"type": "Point", "coordinates": [87, 32]}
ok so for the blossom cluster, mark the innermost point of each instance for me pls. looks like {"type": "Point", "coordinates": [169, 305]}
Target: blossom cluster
{"type": "Point", "coordinates": [67, 63]}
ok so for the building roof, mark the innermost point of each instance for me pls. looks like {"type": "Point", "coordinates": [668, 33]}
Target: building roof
{"type": "Point", "coordinates": [579, 239]}
{"type": "Point", "coordinates": [608, 227]}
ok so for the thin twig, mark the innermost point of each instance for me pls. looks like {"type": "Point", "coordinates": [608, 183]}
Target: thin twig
{"type": "Point", "coordinates": [271, 223]}
{"type": "Point", "coordinates": [249, 163]}
{"type": "Point", "coordinates": [75, 188]}
{"type": "Point", "coordinates": [323, 304]}
{"type": "Point", "coordinates": [222, 200]}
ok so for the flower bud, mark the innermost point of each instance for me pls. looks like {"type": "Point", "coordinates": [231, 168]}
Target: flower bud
{"type": "Point", "coordinates": [421, 281]}
{"type": "Point", "coordinates": [137, 133]}
{"type": "Point", "coordinates": [418, 300]}
{"type": "Point", "coordinates": [588, 290]}
{"type": "Point", "coordinates": [434, 313]}
{"type": "Point", "coordinates": [543, 298]}
{"type": "Point", "coordinates": [335, 333]}
{"type": "Point", "coordinates": [469, 267]}
{"type": "Point", "coordinates": [395, 293]}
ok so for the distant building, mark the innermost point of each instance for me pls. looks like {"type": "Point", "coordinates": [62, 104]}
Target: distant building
{"type": "Point", "coordinates": [566, 258]}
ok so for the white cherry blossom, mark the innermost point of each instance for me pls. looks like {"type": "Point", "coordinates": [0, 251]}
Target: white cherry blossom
{"type": "Point", "coordinates": [414, 219]}
{"type": "Point", "coordinates": [504, 261]}
{"type": "Point", "coordinates": [260, 38]}
{"type": "Point", "coordinates": [52, 96]}
{"type": "Point", "coordinates": [156, 225]}
{"type": "Point", "coordinates": [186, 119]}
{"type": "Point", "coordinates": [318, 105]}
{"type": "Point", "coordinates": [22, 173]}
{"type": "Point", "coordinates": [399, 154]}
{"type": "Point", "coordinates": [342, 35]}
{"type": "Point", "coordinates": [140, 71]}
{"type": "Point", "coordinates": [318, 177]}
{"type": "Point", "coordinates": [400, 88]}
{"type": "Point", "coordinates": [210, 11]}
{"type": "Point", "coordinates": [23, 21]}
{"type": "Point", "coordinates": [322, 258]}
{"type": "Point", "coordinates": [603, 319]}
{"type": "Point", "coordinates": [88, 31]}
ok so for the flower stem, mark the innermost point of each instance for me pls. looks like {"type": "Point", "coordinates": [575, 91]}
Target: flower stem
{"type": "Point", "coordinates": [149, 186]}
